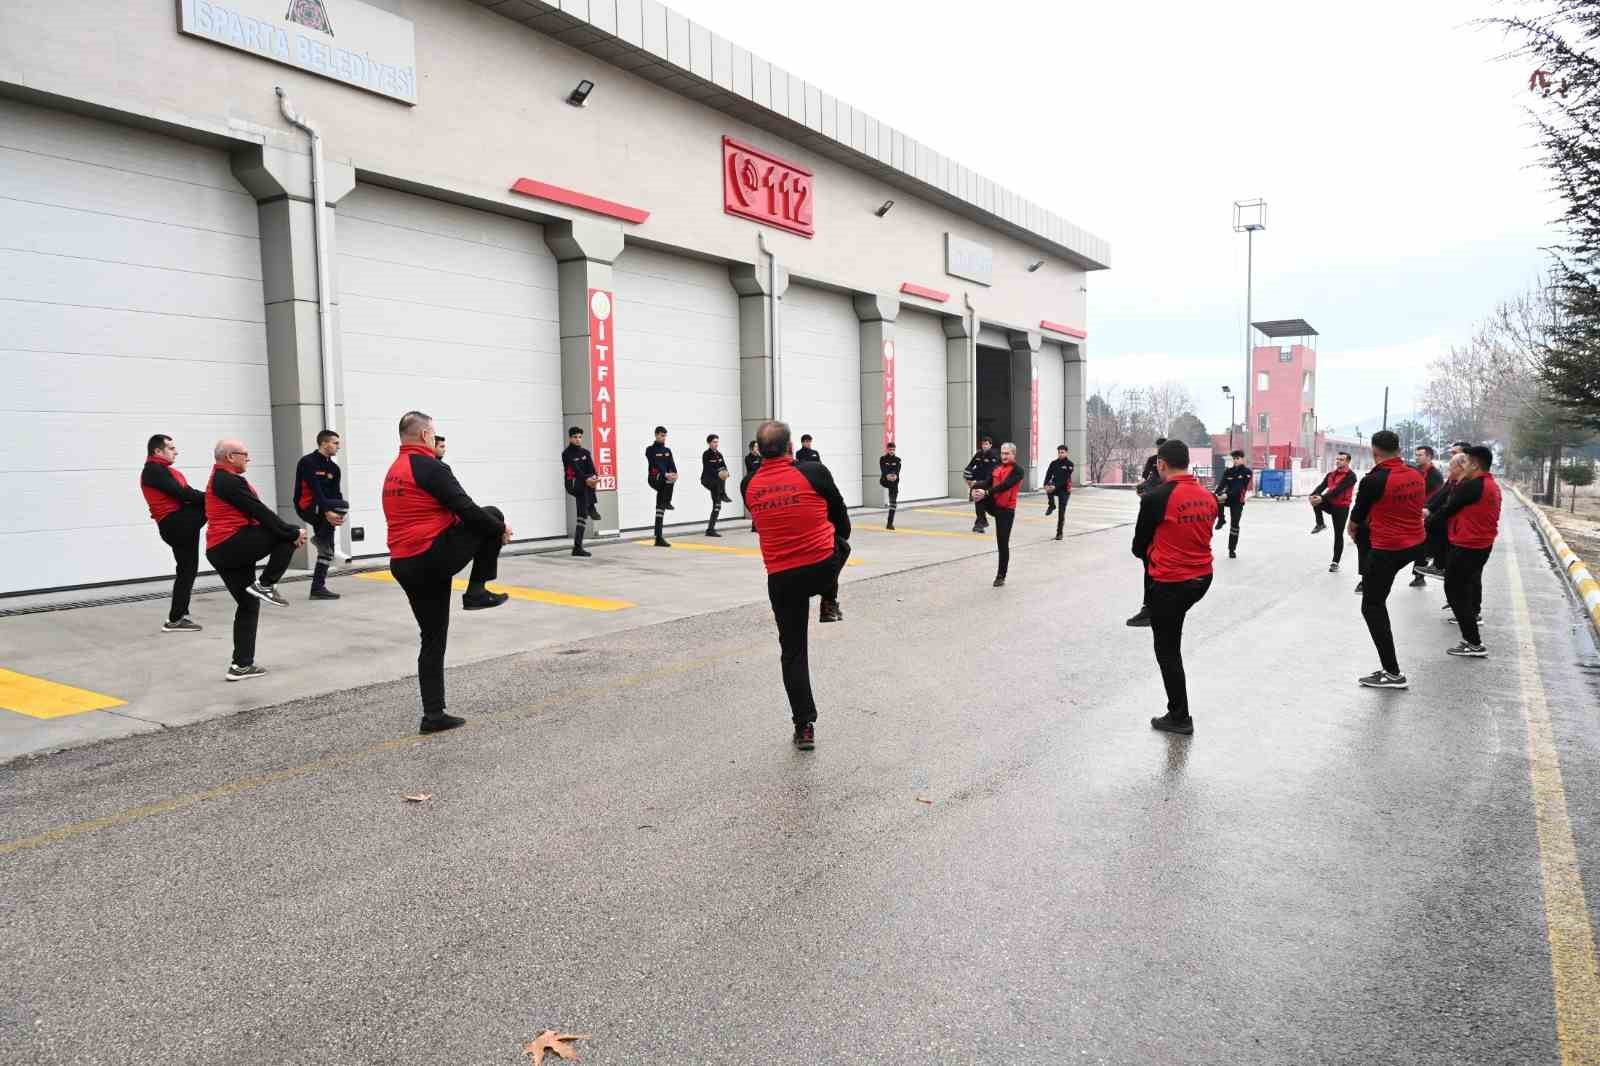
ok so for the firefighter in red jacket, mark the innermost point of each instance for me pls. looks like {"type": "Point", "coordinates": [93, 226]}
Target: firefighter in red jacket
{"type": "Point", "coordinates": [1388, 513]}
{"type": "Point", "coordinates": [1471, 518]}
{"type": "Point", "coordinates": [1332, 497]}
{"type": "Point", "coordinates": [1173, 538]}
{"type": "Point", "coordinates": [805, 542]}
{"type": "Point", "coordinates": [179, 513]}
{"type": "Point", "coordinates": [434, 530]}
{"type": "Point", "coordinates": [996, 494]}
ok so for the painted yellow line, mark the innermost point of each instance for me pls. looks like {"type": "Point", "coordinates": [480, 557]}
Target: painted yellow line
{"type": "Point", "coordinates": [720, 549]}
{"type": "Point", "coordinates": [910, 532]}
{"type": "Point", "coordinates": [1573, 963]}
{"type": "Point", "coordinates": [39, 698]}
{"type": "Point", "coordinates": [517, 592]}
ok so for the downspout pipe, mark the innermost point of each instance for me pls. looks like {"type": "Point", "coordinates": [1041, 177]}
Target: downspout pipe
{"type": "Point", "coordinates": [319, 233]}
{"type": "Point", "coordinates": [775, 393]}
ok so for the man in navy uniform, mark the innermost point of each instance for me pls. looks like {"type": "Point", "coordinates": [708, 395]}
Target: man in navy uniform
{"type": "Point", "coordinates": [662, 476]}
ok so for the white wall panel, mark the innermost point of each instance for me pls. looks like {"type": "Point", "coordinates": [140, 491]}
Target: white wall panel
{"type": "Point", "coordinates": [920, 407]}
{"type": "Point", "coordinates": [1052, 412]}
{"type": "Point", "coordinates": [451, 311]}
{"type": "Point", "coordinates": [677, 366]}
{"type": "Point", "coordinates": [821, 338]}
{"type": "Point", "coordinates": [130, 304]}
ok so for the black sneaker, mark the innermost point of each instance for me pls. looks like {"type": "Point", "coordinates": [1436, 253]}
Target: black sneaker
{"type": "Point", "coordinates": [669, 507]}
{"type": "Point", "coordinates": [182, 625]}
{"type": "Point", "coordinates": [661, 542]}
{"type": "Point", "coordinates": [890, 526]}
{"type": "Point", "coordinates": [1360, 587]}
{"type": "Point", "coordinates": [438, 723]}
{"type": "Point", "coordinates": [1468, 651]}
{"type": "Point", "coordinates": [1049, 510]}
{"type": "Point", "coordinates": [1058, 536]}
{"type": "Point", "coordinates": [999, 582]}
{"type": "Point", "coordinates": [979, 529]}
{"type": "Point", "coordinates": [1140, 619]}
{"type": "Point", "coordinates": [482, 601]}
{"type": "Point", "coordinates": [1383, 679]}
{"type": "Point", "coordinates": [1232, 554]}
{"type": "Point", "coordinates": [1431, 571]}
{"type": "Point", "coordinates": [1168, 724]}
{"type": "Point", "coordinates": [594, 513]}
{"type": "Point", "coordinates": [266, 594]}
{"type": "Point", "coordinates": [805, 736]}
{"type": "Point", "coordinates": [323, 594]}
{"type": "Point", "coordinates": [829, 612]}
{"type": "Point", "coordinates": [1333, 568]}
{"type": "Point", "coordinates": [581, 553]}
{"type": "Point", "coordinates": [1319, 527]}
{"type": "Point", "coordinates": [243, 673]}
{"type": "Point", "coordinates": [1418, 581]}
{"type": "Point", "coordinates": [713, 533]}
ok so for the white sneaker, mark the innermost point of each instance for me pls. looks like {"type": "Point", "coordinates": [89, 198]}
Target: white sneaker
{"type": "Point", "coordinates": [266, 594]}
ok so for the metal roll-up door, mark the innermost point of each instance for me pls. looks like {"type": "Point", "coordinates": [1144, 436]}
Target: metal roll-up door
{"type": "Point", "coordinates": [451, 311]}
{"type": "Point", "coordinates": [1052, 413]}
{"type": "Point", "coordinates": [130, 304]}
{"type": "Point", "coordinates": [677, 361]}
{"type": "Point", "coordinates": [821, 338]}
{"type": "Point", "coordinates": [921, 407]}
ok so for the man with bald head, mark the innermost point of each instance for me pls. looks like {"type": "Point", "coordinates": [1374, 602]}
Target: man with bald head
{"type": "Point", "coordinates": [240, 531]}
{"type": "Point", "coordinates": [434, 530]}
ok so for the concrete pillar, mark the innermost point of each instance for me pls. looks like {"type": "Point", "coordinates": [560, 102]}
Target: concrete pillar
{"type": "Point", "coordinates": [1075, 397]}
{"type": "Point", "coordinates": [877, 312]}
{"type": "Point", "coordinates": [760, 288]}
{"type": "Point", "coordinates": [961, 397]}
{"type": "Point", "coordinates": [584, 252]}
{"type": "Point", "coordinates": [280, 181]}
{"type": "Point", "coordinates": [1025, 346]}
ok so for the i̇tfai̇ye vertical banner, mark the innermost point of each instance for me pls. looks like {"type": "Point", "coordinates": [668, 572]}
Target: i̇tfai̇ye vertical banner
{"type": "Point", "coordinates": [603, 388]}
{"type": "Point", "coordinates": [888, 394]}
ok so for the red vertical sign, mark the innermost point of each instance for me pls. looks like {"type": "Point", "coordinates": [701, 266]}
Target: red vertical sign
{"type": "Point", "coordinates": [603, 388]}
{"type": "Point", "coordinates": [888, 393]}
{"type": "Point", "coordinates": [1033, 429]}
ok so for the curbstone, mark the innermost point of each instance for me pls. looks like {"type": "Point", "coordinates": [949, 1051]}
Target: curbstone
{"type": "Point", "coordinates": [1578, 573]}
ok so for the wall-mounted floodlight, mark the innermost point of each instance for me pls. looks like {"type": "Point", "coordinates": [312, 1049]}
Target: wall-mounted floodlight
{"type": "Point", "coordinates": [577, 97]}
{"type": "Point", "coordinates": [1035, 266]}
{"type": "Point", "coordinates": [884, 210]}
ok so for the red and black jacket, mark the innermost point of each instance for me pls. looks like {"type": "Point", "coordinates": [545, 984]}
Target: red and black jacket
{"type": "Point", "coordinates": [799, 510]}
{"type": "Point", "coordinates": [1432, 477]}
{"type": "Point", "coordinates": [1173, 533]}
{"type": "Point", "coordinates": [710, 463]}
{"type": "Point", "coordinates": [658, 458]}
{"type": "Point", "coordinates": [422, 499]}
{"type": "Point", "coordinates": [1336, 488]}
{"type": "Point", "coordinates": [577, 467]}
{"type": "Point", "coordinates": [1471, 513]}
{"type": "Point", "coordinates": [1389, 506]}
{"type": "Point", "coordinates": [232, 504]}
{"type": "Point", "coordinates": [316, 486]}
{"type": "Point", "coordinates": [166, 490]}
{"type": "Point", "coordinates": [1002, 484]}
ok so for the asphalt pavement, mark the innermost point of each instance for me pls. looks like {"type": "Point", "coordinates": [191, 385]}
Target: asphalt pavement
{"type": "Point", "coordinates": [989, 858]}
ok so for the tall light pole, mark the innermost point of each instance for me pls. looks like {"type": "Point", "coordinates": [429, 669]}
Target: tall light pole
{"type": "Point", "coordinates": [1232, 414]}
{"type": "Point", "coordinates": [1249, 216]}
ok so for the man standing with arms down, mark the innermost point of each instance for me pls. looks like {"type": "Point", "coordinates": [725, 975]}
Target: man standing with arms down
{"type": "Point", "coordinates": [807, 454]}
{"type": "Point", "coordinates": [179, 513]}
{"type": "Point", "coordinates": [978, 469]}
{"type": "Point", "coordinates": [713, 478]}
{"type": "Point", "coordinates": [1388, 511]}
{"type": "Point", "coordinates": [1232, 487]}
{"type": "Point", "coordinates": [1471, 518]}
{"type": "Point", "coordinates": [240, 530]}
{"type": "Point", "coordinates": [1058, 487]}
{"type": "Point", "coordinates": [578, 473]}
{"type": "Point", "coordinates": [889, 478]}
{"type": "Point", "coordinates": [662, 476]}
{"type": "Point", "coordinates": [805, 542]}
{"type": "Point", "coordinates": [1332, 497]}
{"type": "Point", "coordinates": [319, 502]}
{"type": "Point", "coordinates": [434, 530]}
{"type": "Point", "coordinates": [1173, 539]}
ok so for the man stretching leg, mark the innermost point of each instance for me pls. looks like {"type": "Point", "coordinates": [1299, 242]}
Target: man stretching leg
{"type": "Point", "coordinates": [1388, 510]}
{"type": "Point", "coordinates": [1332, 497]}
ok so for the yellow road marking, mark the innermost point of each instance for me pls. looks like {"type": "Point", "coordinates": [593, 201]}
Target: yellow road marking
{"type": "Point", "coordinates": [1573, 963]}
{"type": "Point", "coordinates": [517, 592]}
{"type": "Point", "coordinates": [38, 698]}
{"type": "Point", "coordinates": [908, 531]}
{"type": "Point", "coordinates": [720, 549]}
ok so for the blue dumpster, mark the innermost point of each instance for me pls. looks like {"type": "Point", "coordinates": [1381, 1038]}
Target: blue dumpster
{"type": "Point", "coordinates": [1278, 483]}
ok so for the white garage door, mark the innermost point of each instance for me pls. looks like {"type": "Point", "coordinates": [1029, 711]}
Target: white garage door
{"type": "Point", "coordinates": [130, 304]}
{"type": "Point", "coordinates": [822, 380]}
{"type": "Point", "coordinates": [1052, 415]}
{"type": "Point", "coordinates": [677, 366]}
{"type": "Point", "coordinates": [921, 405]}
{"type": "Point", "coordinates": [451, 311]}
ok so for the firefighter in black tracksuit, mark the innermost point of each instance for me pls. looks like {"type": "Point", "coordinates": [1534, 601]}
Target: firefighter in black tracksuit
{"type": "Point", "coordinates": [982, 464]}
{"type": "Point", "coordinates": [713, 478]}
{"type": "Point", "coordinates": [889, 478]}
{"type": "Point", "coordinates": [1058, 486]}
{"type": "Point", "coordinates": [752, 463]}
{"type": "Point", "coordinates": [577, 470]}
{"type": "Point", "coordinates": [1231, 488]}
{"type": "Point", "coordinates": [662, 475]}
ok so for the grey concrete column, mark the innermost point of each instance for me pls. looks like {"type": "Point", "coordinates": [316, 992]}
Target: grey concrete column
{"type": "Point", "coordinates": [877, 312]}
{"type": "Point", "coordinates": [961, 397]}
{"type": "Point", "coordinates": [760, 287]}
{"type": "Point", "coordinates": [1025, 346]}
{"type": "Point", "coordinates": [280, 181]}
{"type": "Point", "coordinates": [584, 252]}
{"type": "Point", "coordinates": [1075, 396]}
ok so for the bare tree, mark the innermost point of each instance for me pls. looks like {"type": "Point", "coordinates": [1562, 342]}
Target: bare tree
{"type": "Point", "coordinates": [1472, 392]}
{"type": "Point", "coordinates": [1104, 429]}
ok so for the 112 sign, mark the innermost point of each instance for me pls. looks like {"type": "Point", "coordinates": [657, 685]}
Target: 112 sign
{"type": "Point", "coordinates": [765, 189]}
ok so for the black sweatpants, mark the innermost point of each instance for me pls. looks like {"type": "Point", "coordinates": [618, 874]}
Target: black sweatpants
{"type": "Point", "coordinates": [1004, 519]}
{"type": "Point", "coordinates": [1363, 549]}
{"type": "Point", "coordinates": [1439, 547]}
{"type": "Point", "coordinates": [1235, 512]}
{"type": "Point", "coordinates": [1376, 581]}
{"type": "Point", "coordinates": [234, 560]}
{"type": "Point", "coordinates": [426, 579]}
{"type": "Point", "coordinates": [1463, 588]}
{"type": "Point", "coordinates": [181, 532]}
{"type": "Point", "coordinates": [1169, 605]}
{"type": "Point", "coordinates": [893, 491]}
{"type": "Point", "coordinates": [1062, 499]}
{"type": "Point", "coordinates": [1339, 515]}
{"type": "Point", "coordinates": [790, 593]}
{"type": "Point", "coordinates": [584, 501]}
{"type": "Point", "coordinates": [663, 489]}
{"type": "Point", "coordinates": [717, 500]}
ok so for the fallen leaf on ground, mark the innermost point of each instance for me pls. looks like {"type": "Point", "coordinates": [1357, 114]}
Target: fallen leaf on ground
{"type": "Point", "coordinates": [928, 802]}
{"type": "Point", "coordinates": [550, 1040]}
{"type": "Point", "coordinates": [418, 797]}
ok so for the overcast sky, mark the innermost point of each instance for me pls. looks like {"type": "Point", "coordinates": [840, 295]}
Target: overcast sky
{"type": "Point", "coordinates": [1392, 149]}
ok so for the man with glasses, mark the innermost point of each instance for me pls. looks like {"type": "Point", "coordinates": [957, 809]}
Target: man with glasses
{"type": "Point", "coordinates": [240, 532]}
